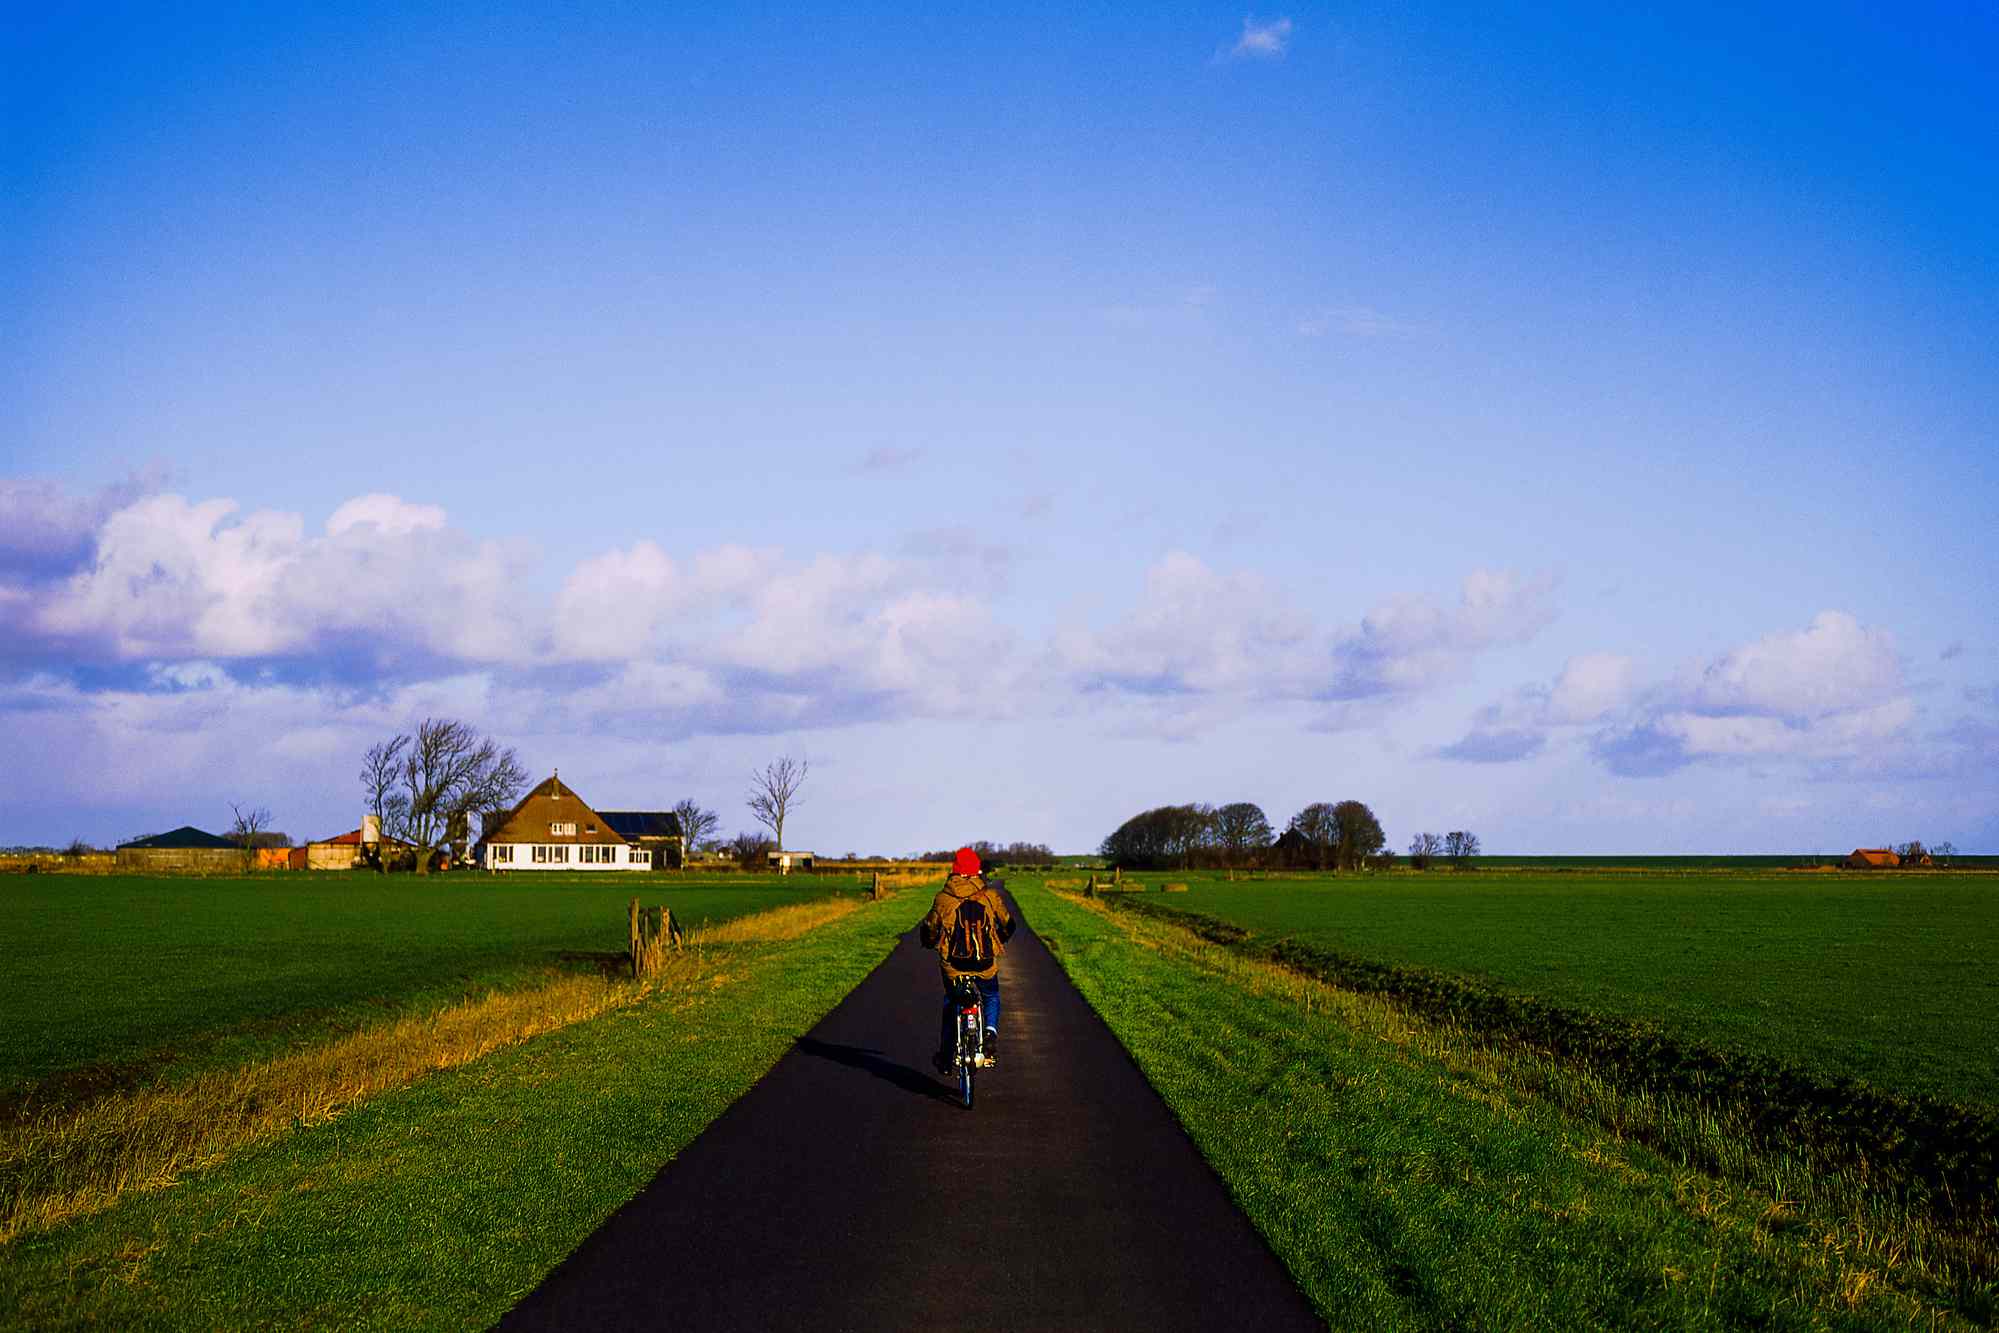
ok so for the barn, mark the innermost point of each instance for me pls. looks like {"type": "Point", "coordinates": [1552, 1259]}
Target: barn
{"type": "Point", "coordinates": [184, 850]}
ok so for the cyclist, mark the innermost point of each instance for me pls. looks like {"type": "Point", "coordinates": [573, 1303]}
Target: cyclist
{"type": "Point", "coordinates": [969, 926]}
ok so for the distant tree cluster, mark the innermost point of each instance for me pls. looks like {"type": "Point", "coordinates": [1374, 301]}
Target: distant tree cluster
{"type": "Point", "coordinates": [1916, 853]}
{"type": "Point", "coordinates": [1343, 835]}
{"type": "Point", "coordinates": [1000, 854]}
{"type": "Point", "coordinates": [1458, 847]}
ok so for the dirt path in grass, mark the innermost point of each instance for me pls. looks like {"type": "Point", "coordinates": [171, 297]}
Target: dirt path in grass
{"type": "Point", "coordinates": [848, 1190]}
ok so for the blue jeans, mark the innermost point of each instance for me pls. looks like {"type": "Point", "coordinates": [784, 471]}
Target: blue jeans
{"type": "Point", "coordinates": [989, 1001]}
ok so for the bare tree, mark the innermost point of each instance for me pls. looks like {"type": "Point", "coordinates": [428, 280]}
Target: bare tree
{"type": "Point", "coordinates": [425, 784]}
{"type": "Point", "coordinates": [1241, 831]}
{"type": "Point", "coordinates": [1423, 849]}
{"type": "Point", "coordinates": [1461, 847]}
{"type": "Point", "coordinates": [750, 849]}
{"type": "Point", "coordinates": [1943, 852]}
{"type": "Point", "coordinates": [696, 826]}
{"type": "Point", "coordinates": [248, 826]}
{"type": "Point", "coordinates": [774, 792]}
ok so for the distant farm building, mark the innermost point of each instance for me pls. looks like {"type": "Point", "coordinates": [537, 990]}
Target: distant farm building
{"type": "Point", "coordinates": [1872, 858]}
{"type": "Point", "coordinates": [346, 850]}
{"type": "Point", "coordinates": [654, 831]}
{"type": "Point", "coordinates": [184, 849]}
{"type": "Point", "coordinates": [786, 862]}
{"type": "Point", "coordinates": [555, 829]}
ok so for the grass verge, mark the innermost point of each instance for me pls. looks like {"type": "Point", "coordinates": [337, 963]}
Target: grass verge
{"type": "Point", "coordinates": [1412, 1175]}
{"type": "Point", "coordinates": [441, 1203]}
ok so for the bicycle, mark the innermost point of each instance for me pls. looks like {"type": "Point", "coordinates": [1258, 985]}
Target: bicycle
{"type": "Point", "coordinates": [971, 1055]}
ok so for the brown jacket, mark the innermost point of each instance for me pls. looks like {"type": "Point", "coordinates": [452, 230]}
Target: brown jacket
{"type": "Point", "coordinates": [938, 927]}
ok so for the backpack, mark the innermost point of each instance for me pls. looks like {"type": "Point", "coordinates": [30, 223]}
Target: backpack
{"type": "Point", "coordinates": [971, 943]}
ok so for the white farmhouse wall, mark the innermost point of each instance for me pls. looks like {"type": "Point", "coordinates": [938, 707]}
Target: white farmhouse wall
{"type": "Point", "coordinates": [625, 858]}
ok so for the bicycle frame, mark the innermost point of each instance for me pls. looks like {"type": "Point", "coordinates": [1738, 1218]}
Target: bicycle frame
{"type": "Point", "coordinates": [971, 1035]}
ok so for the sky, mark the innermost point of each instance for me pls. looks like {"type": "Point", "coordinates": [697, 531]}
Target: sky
{"type": "Point", "coordinates": [1574, 426]}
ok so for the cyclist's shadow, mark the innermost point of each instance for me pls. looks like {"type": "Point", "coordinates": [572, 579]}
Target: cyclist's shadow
{"type": "Point", "coordinates": [874, 1062]}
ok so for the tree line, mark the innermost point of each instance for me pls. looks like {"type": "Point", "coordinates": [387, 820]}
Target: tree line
{"type": "Point", "coordinates": [1325, 835]}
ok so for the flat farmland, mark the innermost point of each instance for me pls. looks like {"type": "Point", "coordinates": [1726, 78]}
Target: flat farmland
{"type": "Point", "coordinates": [114, 979]}
{"type": "Point", "coordinates": [1891, 978]}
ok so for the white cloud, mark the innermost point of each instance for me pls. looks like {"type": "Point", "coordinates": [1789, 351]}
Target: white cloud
{"type": "Point", "coordinates": [173, 578]}
{"type": "Point", "coordinates": [1411, 644]}
{"type": "Point", "coordinates": [1831, 692]}
{"type": "Point", "coordinates": [1834, 665]}
{"type": "Point", "coordinates": [1195, 631]}
{"type": "Point", "coordinates": [1262, 41]}
{"type": "Point", "coordinates": [387, 513]}
{"type": "Point", "coordinates": [1591, 688]}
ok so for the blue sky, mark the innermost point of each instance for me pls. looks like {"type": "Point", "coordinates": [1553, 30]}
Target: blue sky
{"type": "Point", "coordinates": [1573, 426]}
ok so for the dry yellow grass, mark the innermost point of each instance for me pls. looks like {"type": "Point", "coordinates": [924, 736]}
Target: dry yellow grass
{"type": "Point", "coordinates": [81, 1160]}
{"type": "Point", "coordinates": [778, 924]}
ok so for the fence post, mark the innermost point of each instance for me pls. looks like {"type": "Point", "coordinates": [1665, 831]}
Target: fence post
{"type": "Point", "coordinates": [635, 938]}
{"type": "Point", "coordinates": [669, 929]}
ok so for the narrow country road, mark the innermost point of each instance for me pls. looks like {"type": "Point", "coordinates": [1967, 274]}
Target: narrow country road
{"type": "Point", "coordinates": [848, 1190]}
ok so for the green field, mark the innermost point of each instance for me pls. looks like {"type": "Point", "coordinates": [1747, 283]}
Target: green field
{"type": "Point", "coordinates": [1888, 978]}
{"type": "Point", "coordinates": [439, 1204]}
{"type": "Point", "coordinates": [111, 979]}
{"type": "Point", "coordinates": [1411, 1174]}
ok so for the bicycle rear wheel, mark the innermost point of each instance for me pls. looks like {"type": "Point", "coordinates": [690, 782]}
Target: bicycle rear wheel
{"type": "Point", "coordinates": [965, 1070]}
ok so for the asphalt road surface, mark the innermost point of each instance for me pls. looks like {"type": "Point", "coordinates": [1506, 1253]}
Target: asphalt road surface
{"type": "Point", "coordinates": [849, 1190]}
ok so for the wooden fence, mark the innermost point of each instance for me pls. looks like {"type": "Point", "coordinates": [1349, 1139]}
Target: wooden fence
{"type": "Point", "coordinates": [653, 932]}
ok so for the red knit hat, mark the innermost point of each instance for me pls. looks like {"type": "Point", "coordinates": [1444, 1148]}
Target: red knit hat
{"type": "Point", "coordinates": [966, 862]}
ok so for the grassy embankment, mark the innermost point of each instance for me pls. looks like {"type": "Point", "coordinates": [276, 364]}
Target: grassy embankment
{"type": "Point", "coordinates": [1414, 1173]}
{"type": "Point", "coordinates": [120, 981]}
{"type": "Point", "coordinates": [438, 1203]}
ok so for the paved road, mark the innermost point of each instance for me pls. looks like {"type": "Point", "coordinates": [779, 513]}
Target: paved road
{"type": "Point", "coordinates": [848, 1190]}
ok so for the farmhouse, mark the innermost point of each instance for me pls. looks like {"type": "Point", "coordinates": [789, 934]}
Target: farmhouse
{"type": "Point", "coordinates": [1872, 858]}
{"type": "Point", "coordinates": [654, 831]}
{"type": "Point", "coordinates": [786, 862]}
{"type": "Point", "coordinates": [555, 829]}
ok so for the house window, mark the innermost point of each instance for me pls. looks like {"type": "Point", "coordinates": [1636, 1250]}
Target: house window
{"type": "Point", "coordinates": [640, 858]}
{"type": "Point", "coordinates": [562, 830]}
{"type": "Point", "coordinates": [559, 854]}
{"type": "Point", "coordinates": [540, 854]}
{"type": "Point", "coordinates": [503, 852]}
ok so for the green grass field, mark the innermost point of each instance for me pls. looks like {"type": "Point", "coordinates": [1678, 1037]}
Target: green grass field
{"type": "Point", "coordinates": [440, 1204]}
{"type": "Point", "coordinates": [1889, 979]}
{"type": "Point", "coordinates": [118, 978]}
{"type": "Point", "coordinates": [1413, 1176]}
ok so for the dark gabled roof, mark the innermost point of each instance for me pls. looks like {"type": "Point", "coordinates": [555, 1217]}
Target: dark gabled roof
{"type": "Point", "coordinates": [181, 839]}
{"type": "Point", "coordinates": [642, 823]}
{"type": "Point", "coordinates": [552, 803]}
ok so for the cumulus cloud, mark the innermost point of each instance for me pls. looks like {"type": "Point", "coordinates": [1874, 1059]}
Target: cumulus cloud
{"type": "Point", "coordinates": [1590, 688]}
{"type": "Point", "coordinates": [1262, 41]}
{"type": "Point", "coordinates": [1195, 630]}
{"type": "Point", "coordinates": [1412, 644]}
{"type": "Point", "coordinates": [1832, 692]}
{"type": "Point", "coordinates": [175, 578]}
